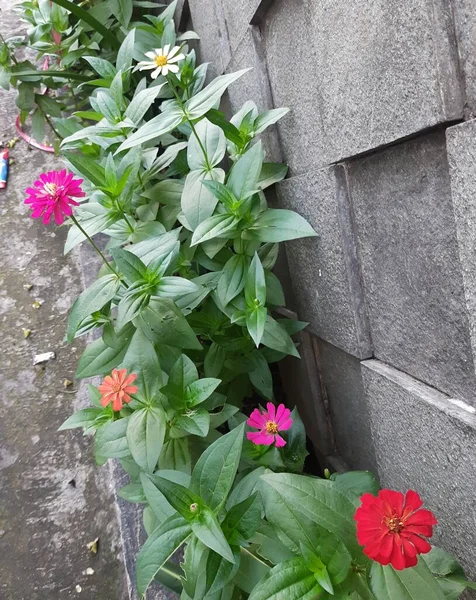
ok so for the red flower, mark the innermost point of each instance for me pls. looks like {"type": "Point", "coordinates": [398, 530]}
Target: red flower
{"type": "Point", "coordinates": [116, 388]}
{"type": "Point", "coordinates": [393, 527]}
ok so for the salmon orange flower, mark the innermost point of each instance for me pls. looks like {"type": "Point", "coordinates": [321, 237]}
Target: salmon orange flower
{"type": "Point", "coordinates": [270, 423]}
{"type": "Point", "coordinates": [393, 528]}
{"type": "Point", "coordinates": [116, 388]}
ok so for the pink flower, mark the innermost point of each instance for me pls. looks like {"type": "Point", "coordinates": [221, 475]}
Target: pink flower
{"type": "Point", "coordinates": [269, 422]}
{"type": "Point", "coordinates": [53, 194]}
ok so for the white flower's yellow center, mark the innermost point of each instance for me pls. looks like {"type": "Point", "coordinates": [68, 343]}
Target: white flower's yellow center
{"type": "Point", "coordinates": [51, 189]}
{"type": "Point", "coordinates": [271, 427]}
{"type": "Point", "coordinates": [160, 61]}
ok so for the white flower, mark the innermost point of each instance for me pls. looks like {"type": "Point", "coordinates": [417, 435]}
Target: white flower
{"type": "Point", "coordinates": [162, 60]}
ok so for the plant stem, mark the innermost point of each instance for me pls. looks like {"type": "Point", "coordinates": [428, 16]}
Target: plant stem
{"type": "Point", "coordinates": [48, 120]}
{"type": "Point", "coordinates": [192, 126]}
{"type": "Point", "coordinates": [104, 259]}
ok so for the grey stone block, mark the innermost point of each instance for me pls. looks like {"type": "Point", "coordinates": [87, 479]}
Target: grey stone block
{"type": "Point", "coordinates": [461, 141]}
{"type": "Point", "coordinates": [410, 264]}
{"type": "Point", "coordinates": [238, 15]}
{"type": "Point", "coordinates": [359, 74]}
{"type": "Point", "coordinates": [426, 442]}
{"type": "Point", "coordinates": [209, 22]}
{"type": "Point", "coordinates": [254, 86]}
{"type": "Point", "coordinates": [324, 270]}
{"type": "Point", "coordinates": [342, 378]}
{"type": "Point", "coordinates": [465, 22]}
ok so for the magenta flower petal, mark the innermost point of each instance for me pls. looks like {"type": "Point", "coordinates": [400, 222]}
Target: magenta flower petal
{"type": "Point", "coordinates": [269, 422]}
{"type": "Point", "coordinates": [52, 195]}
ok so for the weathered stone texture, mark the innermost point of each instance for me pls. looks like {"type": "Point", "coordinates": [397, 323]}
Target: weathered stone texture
{"type": "Point", "coordinates": [425, 442]}
{"type": "Point", "coordinates": [238, 16]}
{"type": "Point", "coordinates": [342, 378]}
{"type": "Point", "coordinates": [465, 23]}
{"type": "Point", "coordinates": [359, 74]}
{"type": "Point", "coordinates": [209, 22]}
{"type": "Point", "coordinates": [462, 158]}
{"type": "Point", "coordinates": [324, 270]}
{"type": "Point", "coordinates": [410, 264]}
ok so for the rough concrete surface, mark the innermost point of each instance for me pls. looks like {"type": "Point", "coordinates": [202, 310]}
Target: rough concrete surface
{"type": "Point", "coordinates": [424, 441]}
{"type": "Point", "coordinates": [359, 74]}
{"type": "Point", "coordinates": [410, 263]}
{"type": "Point", "coordinates": [54, 500]}
{"type": "Point", "coordinates": [325, 270]}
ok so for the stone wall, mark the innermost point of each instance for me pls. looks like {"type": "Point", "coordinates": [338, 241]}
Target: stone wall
{"type": "Point", "coordinates": [382, 156]}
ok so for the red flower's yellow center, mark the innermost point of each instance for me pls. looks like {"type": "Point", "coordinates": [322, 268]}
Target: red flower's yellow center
{"type": "Point", "coordinates": [160, 61]}
{"type": "Point", "coordinates": [51, 189]}
{"type": "Point", "coordinates": [395, 524]}
{"type": "Point", "coordinates": [271, 427]}
{"type": "Point", "coordinates": [116, 388]}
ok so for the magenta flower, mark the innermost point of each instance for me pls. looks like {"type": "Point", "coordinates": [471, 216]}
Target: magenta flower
{"type": "Point", "coordinates": [269, 423]}
{"type": "Point", "coordinates": [53, 195]}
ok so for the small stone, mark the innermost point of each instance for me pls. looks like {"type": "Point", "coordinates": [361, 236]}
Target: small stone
{"type": "Point", "coordinates": [67, 383]}
{"type": "Point", "coordinates": [37, 304]}
{"type": "Point", "coordinates": [79, 589]}
{"type": "Point", "coordinates": [27, 286]}
{"type": "Point", "coordinates": [26, 333]}
{"type": "Point", "coordinates": [93, 546]}
{"type": "Point", "coordinates": [89, 571]}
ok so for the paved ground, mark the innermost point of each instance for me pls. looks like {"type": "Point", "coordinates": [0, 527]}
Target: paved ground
{"type": "Point", "coordinates": [53, 500]}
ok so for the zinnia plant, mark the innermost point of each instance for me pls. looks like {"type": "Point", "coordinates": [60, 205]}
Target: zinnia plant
{"type": "Point", "coordinates": [187, 308]}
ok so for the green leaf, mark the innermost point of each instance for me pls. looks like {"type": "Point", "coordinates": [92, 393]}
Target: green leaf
{"type": "Point", "coordinates": [242, 520]}
{"type": "Point", "coordinates": [219, 573]}
{"type": "Point", "coordinates": [86, 167]}
{"type": "Point", "coordinates": [165, 540]}
{"type": "Point", "coordinates": [176, 455]}
{"type": "Point", "coordinates": [132, 492]}
{"type": "Point", "coordinates": [319, 500]}
{"type": "Point", "coordinates": [270, 174]}
{"type": "Point", "coordinates": [198, 391]}
{"type": "Point", "coordinates": [255, 284]}
{"type": "Point", "coordinates": [214, 360]}
{"type": "Point", "coordinates": [103, 67]}
{"type": "Point", "coordinates": [141, 359]}
{"type": "Point", "coordinates": [141, 103]}
{"type": "Point", "coordinates": [48, 105]}
{"type": "Point", "coordinates": [209, 532]}
{"type": "Point", "coordinates": [163, 322]}
{"type": "Point", "coordinates": [279, 225]}
{"type": "Point", "coordinates": [198, 202]}
{"type": "Point", "coordinates": [122, 10]}
{"type": "Point", "coordinates": [126, 53]}
{"type": "Point", "coordinates": [212, 140]}
{"type": "Point", "coordinates": [277, 338]}
{"type": "Point", "coordinates": [246, 171]}
{"type": "Point", "coordinates": [233, 277]}
{"type": "Point", "coordinates": [25, 99]}
{"type": "Point", "coordinates": [260, 375]}
{"type": "Point", "coordinates": [356, 483]}
{"type": "Point", "coordinates": [131, 305]}
{"type": "Point", "coordinates": [111, 441]}
{"type": "Point", "coordinates": [255, 323]}
{"type": "Point", "coordinates": [291, 579]}
{"type": "Point", "coordinates": [159, 125]}
{"type": "Point", "coordinates": [215, 470]}
{"type": "Point", "coordinates": [195, 422]}
{"type": "Point", "coordinates": [95, 297]}
{"type": "Point", "coordinates": [104, 104]}
{"type": "Point", "coordinates": [202, 102]}
{"type": "Point", "coordinates": [231, 132]}
{"type": "Point", "coordinates": [178, 496]}
{"type": "Point", "coordinates": [268, 118]}
{"type": "Point", "coordinates": [88, 18]}
{"type": "Point", "coordinates": [145, 436]}
{"type": "Point", "coordinates": [410, 584]}
{"type": "Point", "coordinates": [156, 500]}
{"type": "Point", "coordinates": [82, 418]}
{"type": "Point", "coordinates": [213, 227]}
{"type": "Point", "coordinates": [129, 265]}
{"type": "Point", "coordinates": [99, 359]}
